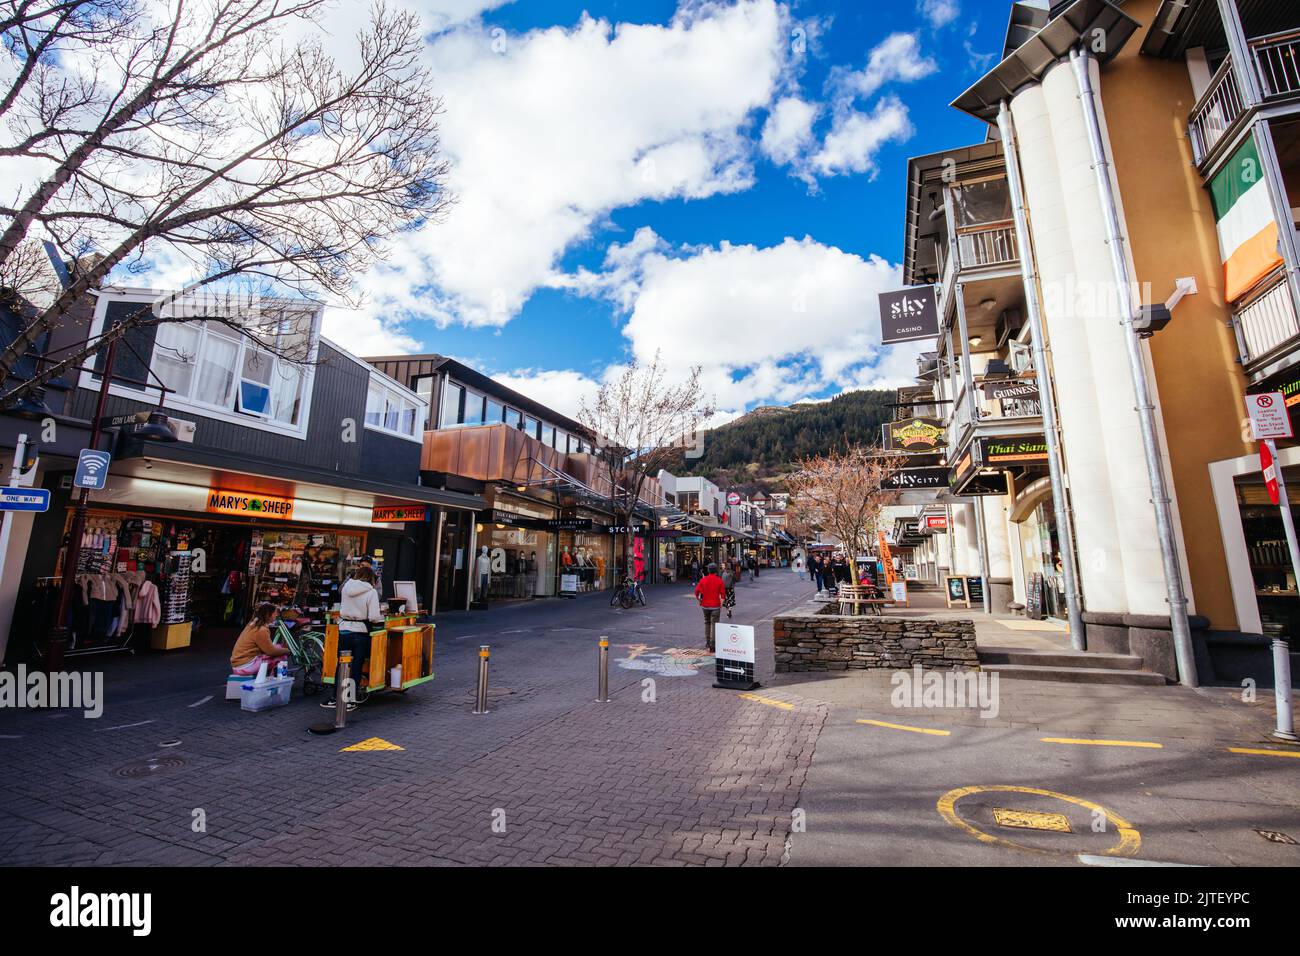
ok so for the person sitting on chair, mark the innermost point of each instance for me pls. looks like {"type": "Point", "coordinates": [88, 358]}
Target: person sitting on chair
{"type": "Point", "coordinates": [254, 645]}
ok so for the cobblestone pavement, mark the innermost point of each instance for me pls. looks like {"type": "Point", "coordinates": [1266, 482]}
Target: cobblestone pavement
{"type": "Point", "coordinates": [671, 771]}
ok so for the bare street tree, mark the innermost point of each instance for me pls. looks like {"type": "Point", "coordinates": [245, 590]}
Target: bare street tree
{"type": "Point", "coordinates": [642, 423]}
{"type": "Point", "coordinates": [843, 492]}
{"type": "Point", "coordinates": [223, 137]}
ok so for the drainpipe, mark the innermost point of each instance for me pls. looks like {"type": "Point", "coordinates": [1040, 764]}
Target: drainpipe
{"type": "Point", "coordinates": [1047, 392]}
{"type": "Point", "coordinates": [1081, 61]}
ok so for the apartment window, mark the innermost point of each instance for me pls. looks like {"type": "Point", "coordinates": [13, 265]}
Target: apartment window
{"type": "Point", "coordinates": [548, 436]}
{"type": "Point", "coordinates": [206, 365]}
{"type": "Point", "coordinates": [473, 408]}
{"type": "Point", "coordinates": [452, 399]}
{"type": "Point", "coordinates": [391, 410]}
{"type": "Point", "coordinates": [513, 418]}
{"type": "Point", "coordinates": [494, 412]}
{"type": "Point", "coordinates": [423, 387]}
{"type": "Point", "coordinates": [531, 426]}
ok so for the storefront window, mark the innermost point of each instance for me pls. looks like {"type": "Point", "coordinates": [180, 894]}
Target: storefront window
{"type": "Point", "coordinates": [588, 556]}
{"type": "Point", "coordinates": [1041, 553]}
{"type": "Point", "coordinates": [522, 563]}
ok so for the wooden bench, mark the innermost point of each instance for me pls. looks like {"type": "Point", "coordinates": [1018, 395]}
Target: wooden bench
{"type": "Point", "coordinates": [854, 597]}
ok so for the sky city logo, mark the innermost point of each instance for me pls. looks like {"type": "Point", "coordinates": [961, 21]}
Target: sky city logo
{"type": "Point", "coordinates": [76, 909]}
{"type": "Point", "coordinates": [74, 691]}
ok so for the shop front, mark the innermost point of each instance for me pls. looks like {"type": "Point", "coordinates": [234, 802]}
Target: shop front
{"type": "Point", "coordinates": [517, 555]}
{"type": "Point", "coordinates": [172, 553]}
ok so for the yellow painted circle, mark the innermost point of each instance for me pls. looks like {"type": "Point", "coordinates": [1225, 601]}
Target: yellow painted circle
{"type": "Point", "coordinates": [1130, 840]}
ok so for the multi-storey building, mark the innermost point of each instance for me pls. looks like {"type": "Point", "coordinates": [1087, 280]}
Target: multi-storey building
{"type": "Point", "coordinates": [1135, 178]}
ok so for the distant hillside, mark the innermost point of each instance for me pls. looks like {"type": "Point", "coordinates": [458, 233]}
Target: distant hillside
{"type": "Point", "coordinates": [754, 451]}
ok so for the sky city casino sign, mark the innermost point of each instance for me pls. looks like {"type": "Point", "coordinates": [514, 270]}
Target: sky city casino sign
{"type": "Point", "coordinates": [908, 314]}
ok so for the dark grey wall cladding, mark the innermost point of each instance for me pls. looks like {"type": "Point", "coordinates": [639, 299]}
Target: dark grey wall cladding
{"type": "Point", "coordinates": [338, 394]}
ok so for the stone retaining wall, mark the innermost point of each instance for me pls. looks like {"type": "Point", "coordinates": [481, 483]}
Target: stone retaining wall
{"type": "Point", "coordinates": [808, 639]}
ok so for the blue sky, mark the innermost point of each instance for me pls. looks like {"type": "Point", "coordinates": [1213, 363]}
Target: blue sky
{"type": "Point", "coordinates": [720, 182]}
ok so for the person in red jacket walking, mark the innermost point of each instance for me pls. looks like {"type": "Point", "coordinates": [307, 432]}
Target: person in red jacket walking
{"type": "Point", "coordinates": [710, 592]}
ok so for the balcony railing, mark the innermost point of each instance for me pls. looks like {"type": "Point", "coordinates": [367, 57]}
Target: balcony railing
{"type": "Point", "coordinates": [1217, 109]}
{"type": "Point", "coordinates": [1277, 65]}
{"type": "Point", "coordinates": [987, 247]}
{"type": "Point", "coordinates": [1266, 319]}
{"type": "Point", "coordinates": [990, 409]}
{"type": "Point", "coordinates": [1277, 58]}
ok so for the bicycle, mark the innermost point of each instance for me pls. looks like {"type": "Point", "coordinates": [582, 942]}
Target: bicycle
{"type": "Point", "coordinates": [627, 594]}
{"type": "Point", "coordinates": [306, 652]}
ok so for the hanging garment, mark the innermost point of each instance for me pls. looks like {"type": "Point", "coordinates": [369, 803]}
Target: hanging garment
{"type": "Point", "coordinates": [148, 607]}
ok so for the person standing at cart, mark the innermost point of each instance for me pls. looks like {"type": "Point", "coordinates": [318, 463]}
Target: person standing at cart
{"type": "Point", "coordinates": [359, 614]}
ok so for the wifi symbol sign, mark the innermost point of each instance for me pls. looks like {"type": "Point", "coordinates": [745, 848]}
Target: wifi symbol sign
{"type": "Point", "coordinates": [92, 469]}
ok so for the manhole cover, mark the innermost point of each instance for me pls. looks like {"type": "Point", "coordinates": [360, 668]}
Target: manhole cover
{"type": "Point", "coordinates": [1031, 820]}
{"type": "Point", "coordinates": [494, 693]}
{"type": "Point", "coordinates": [149, 766]}
{"type": "Point", "coordinates": [1276, 836]}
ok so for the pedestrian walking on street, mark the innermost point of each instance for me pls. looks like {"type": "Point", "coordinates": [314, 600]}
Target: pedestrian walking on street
{"type": "Point", "coordinates": [710, 592]}
{"type": "Point", "coordinates": [753, 569]}
{"type": "Point", "coordinates": [695, 571]}
{"type": "Point", "coordinates": [729, 578]}
{"type": "Point", "coordinates": [798, 568]}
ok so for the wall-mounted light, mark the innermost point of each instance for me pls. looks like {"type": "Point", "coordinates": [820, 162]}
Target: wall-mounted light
{"type": "Point", "coordinates": [975, 341]}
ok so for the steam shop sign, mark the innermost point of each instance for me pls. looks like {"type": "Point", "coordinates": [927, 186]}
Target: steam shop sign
{"type": "Point", "coordinates": [915, 435]}
{"type": "Point", "coordinates": [908, 314]}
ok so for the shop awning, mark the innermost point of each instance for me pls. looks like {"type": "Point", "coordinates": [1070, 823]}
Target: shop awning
{"type": "Point", "coordinates": [216, 471]}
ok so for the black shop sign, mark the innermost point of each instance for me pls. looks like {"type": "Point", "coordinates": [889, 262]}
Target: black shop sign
{"type": "Point", "coordinates": [909, 314]}
{"type": "Point", "coordinates": [908, 478]}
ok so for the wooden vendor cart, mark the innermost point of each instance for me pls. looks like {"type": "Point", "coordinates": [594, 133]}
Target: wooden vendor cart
{"type": "Point", "coordinates": [401, 641]}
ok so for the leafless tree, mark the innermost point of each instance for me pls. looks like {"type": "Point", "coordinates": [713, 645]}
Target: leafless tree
{"type": "Point", "coordinates": [224, 138]}
{"type": "Point", "coordinates": [642, 422]}
{"type": "Point", "coordinates": [843, 492]}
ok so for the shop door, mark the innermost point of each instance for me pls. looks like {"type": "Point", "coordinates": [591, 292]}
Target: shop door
{"type": "Point", "coordinates": [454, 561]}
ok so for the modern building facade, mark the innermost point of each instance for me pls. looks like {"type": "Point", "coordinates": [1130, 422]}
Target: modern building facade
{"type": "Point", "coordinates": [1133, 180]}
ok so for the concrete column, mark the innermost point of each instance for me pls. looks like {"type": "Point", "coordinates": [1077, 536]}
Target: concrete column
{"type": "Point", "coordinates": [997, 513]}
{"type": "Point", "coordinates": [1121, 569]}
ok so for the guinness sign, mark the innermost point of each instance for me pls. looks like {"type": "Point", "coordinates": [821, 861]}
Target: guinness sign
{"type": "Point", "coordinates": [1011, 388]}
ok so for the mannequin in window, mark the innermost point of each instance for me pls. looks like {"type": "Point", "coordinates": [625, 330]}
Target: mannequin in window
{"type": "Point", "coordinates": [482, 573]}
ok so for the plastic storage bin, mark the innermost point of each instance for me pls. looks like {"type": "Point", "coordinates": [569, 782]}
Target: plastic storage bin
{"type": "Point", "coordinates": [274, 693]}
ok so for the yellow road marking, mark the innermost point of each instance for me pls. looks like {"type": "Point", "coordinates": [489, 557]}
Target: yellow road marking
{"type": "Point", "coordinates": [916, 730]}
{"type": "Point", "coordinates": [1032, 820]}
{"type": "Point", "coordinates": [1264, 753]}
{"type": "Point", "coordinates": [371, 743]}
{"type": "Point", "coordinates": [1102, 743]}
{"type": "Point", "coordinates": [1130, 840]}
{"type": "Point", "coordinates": [769, 701]}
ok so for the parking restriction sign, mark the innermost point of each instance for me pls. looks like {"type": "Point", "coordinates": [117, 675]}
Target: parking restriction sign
{"type": "Point", "coordinates": [1268, 416]}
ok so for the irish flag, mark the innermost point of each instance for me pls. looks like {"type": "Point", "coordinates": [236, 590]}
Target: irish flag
{"type": "Point", "coordinates": [1244, 219]}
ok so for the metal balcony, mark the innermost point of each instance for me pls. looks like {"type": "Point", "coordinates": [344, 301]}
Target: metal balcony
{"type": "Point", "coordinates": [979, 248]}
{"type": "Point", "coordinates": [1276, 60]}
{"type": "Point", "coordinates": [1265, 321]}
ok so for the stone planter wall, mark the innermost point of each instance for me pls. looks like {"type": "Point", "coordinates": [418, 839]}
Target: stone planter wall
{"type": "Point", "coordinates": [806, 639]}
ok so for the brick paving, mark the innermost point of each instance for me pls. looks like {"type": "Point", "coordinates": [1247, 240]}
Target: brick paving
{"type": "Point", "coordinates": [697, 776]}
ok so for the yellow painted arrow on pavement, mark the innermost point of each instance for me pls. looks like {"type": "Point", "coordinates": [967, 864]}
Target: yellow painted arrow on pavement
{"type": "Point", "coordinates": [373, 743]}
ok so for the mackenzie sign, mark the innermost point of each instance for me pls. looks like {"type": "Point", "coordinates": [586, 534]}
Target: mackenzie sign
{"type": "Point", "coordinates": [915, 434]}
{"type": "Point", "coordinates": [908, 314]}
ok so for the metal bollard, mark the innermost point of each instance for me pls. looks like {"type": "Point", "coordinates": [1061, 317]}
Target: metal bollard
{"type": "Point", "coordinates": [1282, 688]}
{"type": "Point", "coordinates": [603, 681]}
{"type": "Point", "coordinates": [480, 700]}
{"type": "Point", "coordinates": [341, 676]}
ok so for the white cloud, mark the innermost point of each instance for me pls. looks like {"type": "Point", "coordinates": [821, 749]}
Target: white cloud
{"type": "Point", "coordinates": [939, 12]}
{"type": "Point", "coordinates": [363, 334]}
{"type": "Point", "coordinates": [773, 324]}
{"type": "Point", "coordinates": [856, 137]}
{"type": "Point", "coordinates": [552, 130]}
{"type": "Point", "coordinates": [896, 59]}
{"type": "Point", "coordinates": [788, 130]}
{"type": "Point", "coordinates": [564, 390]}
{"type": "Point", "coordinates": [442, 15]}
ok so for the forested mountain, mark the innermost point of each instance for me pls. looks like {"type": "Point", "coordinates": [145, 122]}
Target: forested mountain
{"type": "Point", "coordinates": [755, 450]}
